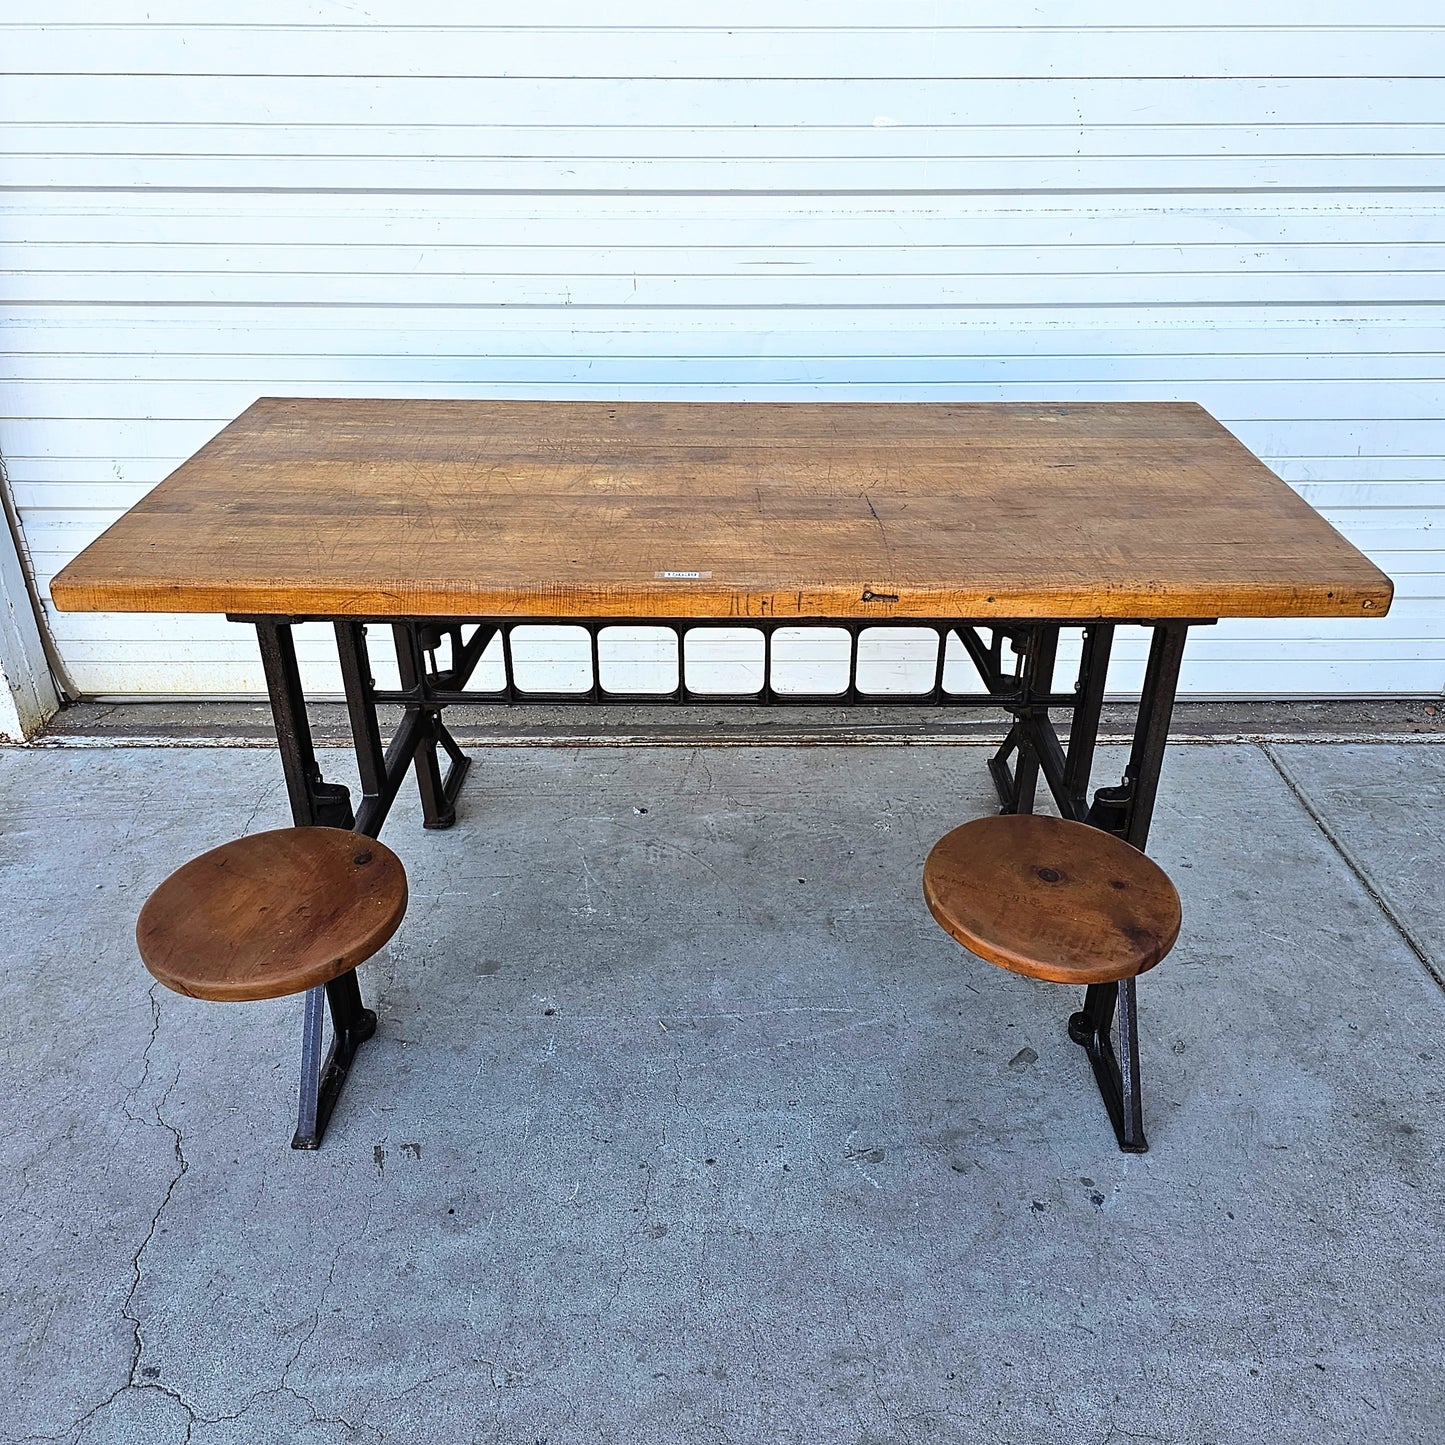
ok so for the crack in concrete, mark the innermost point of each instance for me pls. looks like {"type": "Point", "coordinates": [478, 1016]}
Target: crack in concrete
{"type": "Point", "coordinates": [1436, 971]}
{"type": "Point", "coordinates": [1117, 1432]}
{"type": "Point", "coordinates": [77, 1427]}
{"type": "Point", "coordinates": [16, 1204]}
{"type": "Point", "coordinates": [143, 809]}
{"type": "Point", "coordinates": [182, 1165]}
{"type": "Point", "coordinates": [267, 793]}
{"type": "Point", "coordinates": [127, 1309]}
{"type": "Point", "coordinates": [890, 1412]}
{"type": "Point", "coordinates": [317, 1418]}
{"type": "Point", "coordinates": [315, 1319]}
{"type": "Point", "coordinates": [285, 1387]}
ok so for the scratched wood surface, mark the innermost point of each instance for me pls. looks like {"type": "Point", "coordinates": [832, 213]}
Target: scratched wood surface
{"type": "Point", "coordinates": [636, 509]}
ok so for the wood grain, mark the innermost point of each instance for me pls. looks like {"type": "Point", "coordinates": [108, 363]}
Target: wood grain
{"type": "Point", "coordinates": [272, 914]}
{"type": "Point", "coordinates": [1053, 899]}
{"type": "Point", "coordinates": [757, 510]}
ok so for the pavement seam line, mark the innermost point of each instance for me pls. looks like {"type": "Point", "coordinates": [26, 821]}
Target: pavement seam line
{"type": "Point", "coordinates": [101, 742]}
{"type": "Point", "coordinates": [1361, 876]}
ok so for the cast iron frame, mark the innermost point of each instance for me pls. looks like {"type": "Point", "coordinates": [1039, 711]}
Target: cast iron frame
{"type": "Point", "coordinates": [1031, 750]}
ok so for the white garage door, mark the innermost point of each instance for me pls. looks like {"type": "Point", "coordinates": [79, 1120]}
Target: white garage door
{"type": "Point", "coordinates": [912, 200]}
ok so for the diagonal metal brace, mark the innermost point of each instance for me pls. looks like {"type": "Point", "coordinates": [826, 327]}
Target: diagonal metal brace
{"type": "Point", "coordinates": [1116, 1075]}
{"type": "Point", "coordinates": [1001, 772]}
{"type": "Point", "coordinates": [438, 793]}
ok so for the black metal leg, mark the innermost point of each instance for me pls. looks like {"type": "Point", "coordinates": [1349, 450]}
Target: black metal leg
{"type": "Point", "coordinates": [438, 794]}
{"type": "Point", "coordinates": [1131, 1129]}
{"type": "Point", "coordinates": [314, 801]}
{"type": "Point", "coordinates": [1151, 731]}
{"type": "Point", "coordinates": [1117, 1076]}
{"type": "Point", "coordinates": [351, 1024]}
{"type": "Point", "coordinates": [1128, 811]}
{"type": "Point", "coordinates": [1002, 773]}
{"type": "Point", "coordinates": [1084, 725]}
{"type": "Point", "coordinates": [1026, 776]}
{"type": "Point", "coordinates": [1017, 786]}
{"type": "Point", "coordinates": [313, 1026]}
{"type": "Point", "coordinates": [436, 812]}
{"type": "Point", "coordinates": [356, 679]}
{"type": "Point", "coordinates": [1043, 645]}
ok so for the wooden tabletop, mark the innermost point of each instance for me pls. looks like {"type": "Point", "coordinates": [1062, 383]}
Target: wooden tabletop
{"type": "Point", "coordinates": [641, 509]}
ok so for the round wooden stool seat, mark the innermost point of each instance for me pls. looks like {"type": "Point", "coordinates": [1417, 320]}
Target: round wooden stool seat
{"type": "Point", "coordinates": [1053, 899]}
{"type": "Point", "coordinates": [272, 914]}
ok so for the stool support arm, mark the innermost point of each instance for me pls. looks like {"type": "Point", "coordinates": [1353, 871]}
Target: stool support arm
{"type": "Point", "coordinates": [1116, 1074]}
{"type": "Point", "coordinates": [351, 1024]}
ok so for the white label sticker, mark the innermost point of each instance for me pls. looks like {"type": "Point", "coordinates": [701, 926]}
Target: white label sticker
{"type": "Point", "coordinates": [680, 576]}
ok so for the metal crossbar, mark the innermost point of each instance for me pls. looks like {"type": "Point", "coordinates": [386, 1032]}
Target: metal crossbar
{"type": "Point", "coordinates": [449, 684]}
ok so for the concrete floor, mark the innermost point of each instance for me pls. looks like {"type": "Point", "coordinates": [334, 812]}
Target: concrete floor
{"type": "Point", "coordinates": [686, 1124]}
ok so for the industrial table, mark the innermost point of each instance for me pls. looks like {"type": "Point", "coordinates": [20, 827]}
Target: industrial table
{"type": "Point", "coordinates": [454, 522]}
